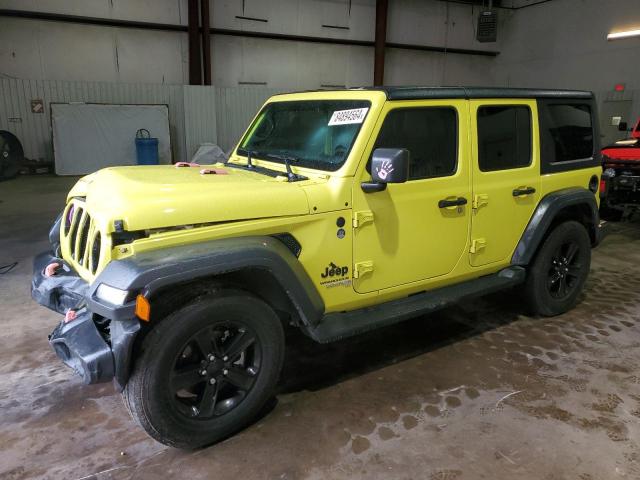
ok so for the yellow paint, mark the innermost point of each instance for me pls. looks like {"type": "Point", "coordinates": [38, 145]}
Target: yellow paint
{"type": "Point", "coordinates": [500, 218]}
{"type": "Point", "coordinates": [399, 240]}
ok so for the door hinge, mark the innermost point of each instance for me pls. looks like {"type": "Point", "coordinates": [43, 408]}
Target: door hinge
{"type": "Point", "coordinates": [477, 245]}
{"type": "Point", "coordinates": [361, 268]}
{"type": "Point", "coordinates": [480, 200]}
{"type": "Point", "coordinates": [360, 218]}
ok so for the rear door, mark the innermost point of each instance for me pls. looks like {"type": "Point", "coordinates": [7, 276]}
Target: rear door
{"type": "Point", "coordinates": [506, 176]}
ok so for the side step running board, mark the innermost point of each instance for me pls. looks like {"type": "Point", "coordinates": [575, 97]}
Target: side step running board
{"type": "Point", "coordinates": [335, 326]}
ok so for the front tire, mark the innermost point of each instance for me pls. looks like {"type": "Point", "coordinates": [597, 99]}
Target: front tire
{"type": "Point", "coordinates": [207, 370]}
{"type": "Point", "coordinates": [558, 273]}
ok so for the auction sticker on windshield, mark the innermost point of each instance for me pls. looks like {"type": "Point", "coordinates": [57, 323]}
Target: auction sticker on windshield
{"type": "Point", "coordinates": [345, 117]}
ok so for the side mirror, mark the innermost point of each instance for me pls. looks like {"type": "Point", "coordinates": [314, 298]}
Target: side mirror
{"type": "Point", "coordinates": [388, 165]}
{"type": "Point", "coordinates": [622, 126]}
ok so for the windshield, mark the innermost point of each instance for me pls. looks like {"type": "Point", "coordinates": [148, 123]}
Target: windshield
{"type": "Point", "coordinates": [313, 133]}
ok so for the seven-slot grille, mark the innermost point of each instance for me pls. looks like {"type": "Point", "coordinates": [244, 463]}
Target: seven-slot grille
{"type": "Point", "coordinates": [82, 240]}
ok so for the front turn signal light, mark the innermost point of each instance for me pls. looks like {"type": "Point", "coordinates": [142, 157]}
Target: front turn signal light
{"type": "Point", "coordinates": [143, 308]}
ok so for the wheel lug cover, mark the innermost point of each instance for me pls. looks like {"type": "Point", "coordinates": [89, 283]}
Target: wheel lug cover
{"type": "Point", "coordinates": [225, 371]}
{"type": "Point", "coordinates": [211, 358]}
{"type": "Point", "coordinates": [225, 358]}
{"type": "Point", "coordinates": [212, 381]}
{"type": "Point", "coordinates": [203, 372]}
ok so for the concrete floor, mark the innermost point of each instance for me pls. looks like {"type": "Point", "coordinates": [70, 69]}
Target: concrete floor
{"type": "Point", "coordinates": [475, 391]}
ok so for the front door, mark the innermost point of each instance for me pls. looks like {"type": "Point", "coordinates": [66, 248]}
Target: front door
{"type": "Point", "coordinates": [419, 229]}
{"type": "Point", "coordinates": [506, 176]}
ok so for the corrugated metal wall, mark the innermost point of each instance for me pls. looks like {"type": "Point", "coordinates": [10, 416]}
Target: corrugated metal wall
{"type": "Point", "coordinates": [34, 129]}
{"type": "Point", "coordinates": [200, 117]}
{"type": "Point", "coordinates": [235, 108]}
{"type": "Point", "coordinates": [196, 114]}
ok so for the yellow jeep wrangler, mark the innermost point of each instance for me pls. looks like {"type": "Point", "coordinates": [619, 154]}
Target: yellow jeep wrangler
{"type": "Point", "coordinates": [338, 212]}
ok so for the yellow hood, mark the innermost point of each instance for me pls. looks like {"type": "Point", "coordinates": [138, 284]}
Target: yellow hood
{"type": "Point", "coordinates": [149, 197]}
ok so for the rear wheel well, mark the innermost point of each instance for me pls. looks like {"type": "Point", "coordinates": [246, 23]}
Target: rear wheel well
{"type": "Point", "coordinates": [579, 212]}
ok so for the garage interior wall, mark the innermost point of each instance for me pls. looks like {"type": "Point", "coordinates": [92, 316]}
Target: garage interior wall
{"type": "Point", "coordinates": [196, 114]}
{"type": "Point", "coordinates": [558, 43]}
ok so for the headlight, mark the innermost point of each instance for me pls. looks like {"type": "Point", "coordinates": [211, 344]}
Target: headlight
{"type": "Point", "coordinates": [112, 295]}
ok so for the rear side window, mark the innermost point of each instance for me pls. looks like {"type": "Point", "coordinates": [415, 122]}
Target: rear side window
{"type": "Point", "coordinates": [569, 131]}
{"type": "Point", "coordinates": [504, 137]}
{"type": "Point", "coordinates": [431, 136]}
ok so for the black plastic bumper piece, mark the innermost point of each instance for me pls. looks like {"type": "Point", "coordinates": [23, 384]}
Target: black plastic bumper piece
{"type": "Point", "coordinates": [63, 291]}
{"type": "Point", "coordinates": [80, 346]}
{"type": "Point", "coordinates": [79, 343]}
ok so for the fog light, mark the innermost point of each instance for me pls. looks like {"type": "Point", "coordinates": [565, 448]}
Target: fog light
{"type": "Point", "coordinates": [609, 172]}
{"type": "Point", "coordinates": [112, 295]}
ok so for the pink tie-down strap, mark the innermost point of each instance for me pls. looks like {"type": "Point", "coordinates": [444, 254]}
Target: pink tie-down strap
{"type": "Point", "coordinates": [186, 164]}
{"type": "Point", "coordinates": [51, 269]}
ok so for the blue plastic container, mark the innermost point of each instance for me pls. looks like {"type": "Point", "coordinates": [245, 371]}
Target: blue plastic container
{"type": "Point", "coordinates": [146, 148]}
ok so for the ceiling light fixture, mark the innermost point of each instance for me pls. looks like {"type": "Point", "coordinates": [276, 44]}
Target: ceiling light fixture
{"type": "Point", "coordinates": [625, 34]}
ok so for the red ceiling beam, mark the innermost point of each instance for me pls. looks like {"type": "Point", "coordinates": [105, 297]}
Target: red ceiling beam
{"type": "Point", "coordinates": [193, 30]}
{"type": "Point", "coordinates": [382, 7]}
{"type": "Point", "coordinates": [206, 42]}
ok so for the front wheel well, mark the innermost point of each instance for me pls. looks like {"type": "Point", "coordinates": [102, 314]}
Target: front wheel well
{"type": "Point", "coordinates": [257, 281]}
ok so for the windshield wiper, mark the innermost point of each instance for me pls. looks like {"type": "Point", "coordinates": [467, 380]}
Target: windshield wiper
{"type": "Point", "coordinates": [287, 159]}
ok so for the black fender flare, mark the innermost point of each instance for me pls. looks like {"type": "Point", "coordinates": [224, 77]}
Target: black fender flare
{"type": "Point", "coordinates": [150, 272]}
{"type": "Point", "coordinates": [546, 212]}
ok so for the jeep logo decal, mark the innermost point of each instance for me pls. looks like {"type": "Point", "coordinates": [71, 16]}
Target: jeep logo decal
{"type": "Point", "coordinates": [334, 270]}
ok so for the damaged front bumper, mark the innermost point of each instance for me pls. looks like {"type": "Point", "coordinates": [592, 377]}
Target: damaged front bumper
{"type": "Point", "coordinates": [97, 343]}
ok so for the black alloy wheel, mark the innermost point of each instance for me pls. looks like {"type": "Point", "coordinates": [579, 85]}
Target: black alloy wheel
{"type": "Point", "coordinates": [565, 271]}
{"type": "Point", "coordinates": [207, 369]}
{"type": "Point", "coordinates": [215, 370]}
{"type": "Point", "coordinates": [559, 270]}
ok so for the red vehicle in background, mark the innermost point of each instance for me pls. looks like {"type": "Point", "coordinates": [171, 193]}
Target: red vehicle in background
{"type": "Point", "coordinates": [620, 184]}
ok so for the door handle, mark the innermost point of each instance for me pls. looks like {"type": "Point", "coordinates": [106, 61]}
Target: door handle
{"type": "Point", "coordinates": [519, 192]}
{"type": "Point", "coordinates": [452, 203]}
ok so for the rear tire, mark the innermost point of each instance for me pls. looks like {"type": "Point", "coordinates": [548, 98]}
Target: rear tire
{"type": "Point", "coordinates": [207, 370]}
{"type": "Point", "coordinates": [558, 273]}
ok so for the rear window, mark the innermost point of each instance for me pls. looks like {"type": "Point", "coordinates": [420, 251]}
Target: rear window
{"type": "Point", "coordinates": [504, 137]}
{"type": "Point", "coordinates": [569, 132]}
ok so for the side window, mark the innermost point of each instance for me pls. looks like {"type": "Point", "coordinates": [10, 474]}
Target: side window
{"type": "Point", "coordinates": [431, 136]}
{"type": "Point", "coordinates": [569, 131]}
{"type": "Point", "coordinates": [504, 137]}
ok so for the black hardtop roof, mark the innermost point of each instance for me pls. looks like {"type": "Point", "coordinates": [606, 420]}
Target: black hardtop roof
{"type": "Point", "coordinates": [426, 93]}
{"type": "Point", "coordinates": [414, 93]}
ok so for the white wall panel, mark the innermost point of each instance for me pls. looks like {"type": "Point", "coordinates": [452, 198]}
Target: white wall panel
{"type": "Point", "coordinates": [235, 108]}
{"type": "Point", "coordinates": [426, 23]}
{"type": "Point", "coordinates": [158, 11]}
{"type": "Point", "coordinates": [34, 129]}
{"type": "Point", "coordinates": [200, 117]}
{"type": "Point", "coordinates": [151, 56]}
{"type": "Point", "coordinates": [63, 51]}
